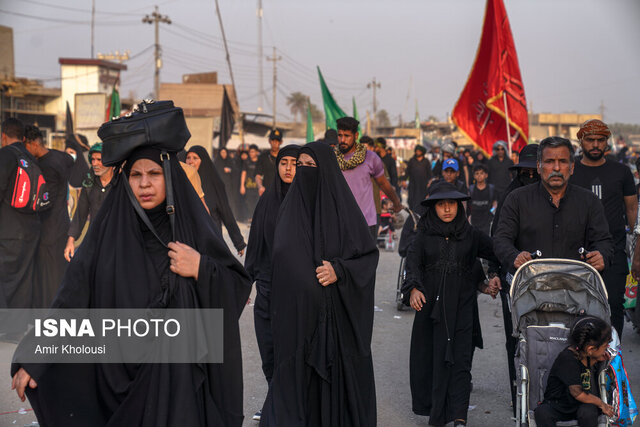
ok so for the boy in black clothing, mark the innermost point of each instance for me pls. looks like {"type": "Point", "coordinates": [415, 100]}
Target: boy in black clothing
{"type": "Point", "coordinates": [483, 201]}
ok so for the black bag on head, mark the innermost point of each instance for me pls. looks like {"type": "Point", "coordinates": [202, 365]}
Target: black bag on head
{"type": "Point", "coordinates": [157, 124]}
{"type": "Point", "coordinates": [30, 191]}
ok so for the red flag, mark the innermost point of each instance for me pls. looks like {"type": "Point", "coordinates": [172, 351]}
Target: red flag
{"type": "Point", "coordinates": [480, 111]}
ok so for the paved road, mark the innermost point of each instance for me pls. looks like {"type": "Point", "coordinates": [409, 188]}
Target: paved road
{"type": "Point", "coordinates": [490, 400]}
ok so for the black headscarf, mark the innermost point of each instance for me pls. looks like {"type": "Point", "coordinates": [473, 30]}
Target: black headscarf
{"type": "Point", "coordinates": [322, 335]}
{"type": "Point", "coordinates": [457, 229]}
{"type": "Point", "coordinates": [263, 224]}
{"type": "Point", "coordinates": [215, 196]}
{"type": "Point", "coordinates": [121, 265]}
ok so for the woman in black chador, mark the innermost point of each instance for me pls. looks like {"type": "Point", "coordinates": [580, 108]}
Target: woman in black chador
{"type": "Point", "coordinates": [323, 276]}
{"type": "Point", "coordinates": [215, 195]}
{"type": "Point", "coordinates": [123, 264]}
{"type": "Point", "coordinates": [441, 288]}
{"type": "Point", "coordinates": [260, 248]}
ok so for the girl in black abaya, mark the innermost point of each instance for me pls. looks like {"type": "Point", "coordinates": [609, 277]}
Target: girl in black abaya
{"type": "Point", "coordinates": [121, 264]}
{"type": "Point", "coordinates": [323, 276]}
{"type": "Point", "coordinates": [441, 288]}
{"type": "Point", "coordinates": [260, 248]}
{"type": "Point", "coordinates": [215, 195]}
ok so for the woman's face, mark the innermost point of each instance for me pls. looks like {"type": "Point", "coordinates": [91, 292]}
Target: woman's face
{"type": "Point", "coordinates": [193, 160]}
{"type": "Point", "coordinates": [287, 169]}
{"type": "Point", "coordinates": [147, 182]}
{"type": "Point", "coordinates": [306, 160]}
{"type": "Point", "coordinates": [223, 153]}
{"type": "Point", "coordinates": [446, 210]}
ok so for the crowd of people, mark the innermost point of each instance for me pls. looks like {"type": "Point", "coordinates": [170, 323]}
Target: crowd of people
{"type": "Point", "coordinates": [155, 214]}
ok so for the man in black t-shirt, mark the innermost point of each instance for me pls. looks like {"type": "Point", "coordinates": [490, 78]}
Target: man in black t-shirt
{"type": "Point", "coordinates": [266, 167]}
{"type": "Point", "coordinates": [483, 200]}
{"type": "Point", "coordinates": [613, 183]}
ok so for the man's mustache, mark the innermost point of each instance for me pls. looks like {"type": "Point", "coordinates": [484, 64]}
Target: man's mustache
{"type": "Point", "coordinates": [556, 175]}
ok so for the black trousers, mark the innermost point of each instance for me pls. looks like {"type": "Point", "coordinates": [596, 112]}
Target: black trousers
{"type": "Point", "coordinates": [510, 342]}
{"type": "Point", "coordinates": [615, 280]}
{"type": "Point", "coordinates": [262, 323]}
{"type": "Point", "coordinates": [373, 229]}
{"type": "Point", "coordinates": [586, 415]}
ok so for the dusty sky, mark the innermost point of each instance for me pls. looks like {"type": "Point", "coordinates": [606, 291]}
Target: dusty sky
{"type": "Point", "coordinates": [574, 54]}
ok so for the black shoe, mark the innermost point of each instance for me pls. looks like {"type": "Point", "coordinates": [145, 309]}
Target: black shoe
{"type": "Point", "coordinates": [457, 423]}
{"type": "Point", "coordinates": [257, 415]}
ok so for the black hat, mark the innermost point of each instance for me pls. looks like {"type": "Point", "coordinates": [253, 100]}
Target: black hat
{"type": "Point", "coordinates": [275, 134]}
{"type": "Point", "coordinates": [420, 148]}
{"type": "Point", "coordinates": [331, 137]}
{"type": "Point", "coordinates": [528, 157]}
{"type": "Point", "coordinates": [443, 191]}
{"type": "Point", "coordinates": [348, 123]}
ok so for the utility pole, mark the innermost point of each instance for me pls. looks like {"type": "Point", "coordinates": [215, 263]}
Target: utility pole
{"type": "Point", "coordinates": [156, 18]}
{"type": "Point", "coordinates": [275, 59]}
{"type": "Point", "coordinates": [93, 25]}
{"type": "Point", "coordinates": [602, 108]}
{"type": "Point", "coordinates": [374, 85]}
{"type": "Point", "coordinates": [260, 59]}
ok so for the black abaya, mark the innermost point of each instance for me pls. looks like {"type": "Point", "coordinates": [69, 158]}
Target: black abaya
{"type": "Point", "coordinates": [215, 197]}
{"type": "Point", "coordinates": [323, 372]}
{"type": "Point", "coordinates": [50, 263]}
{"type": "Point", "coordinates": [440, 264]}
{"type": "Point", "coordinates": [419, 173]}
{"type": "Point", "coordinates": [147, 394]}
{"type": "Point", "coordinates": [258, 260]}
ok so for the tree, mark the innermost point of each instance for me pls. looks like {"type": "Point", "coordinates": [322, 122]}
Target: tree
{"type": "Point", "coordinates": [297, 103]}
{"type": "Point", "coordinates": [382, 119]}
{"type": "Point", "coordinates": [316, 114]}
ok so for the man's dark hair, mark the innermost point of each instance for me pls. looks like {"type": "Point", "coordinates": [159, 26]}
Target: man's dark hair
{"type": "Point", "coordinates": [367, 140]}
{"type": "Point", "coordinates": [13, 128]}
{"type": "Point", "coordinates": [381, 140]}
{"type": "Point", "coordinates": [348, 123]}
{"type": "Point", "coordinates": [555, 142]}
{"type": "Point", "coordinates": [33, 133]}
{"type": "Point", "coordinates": [254, 146]}
{"type": "Point", "coordinates": [480, 167]}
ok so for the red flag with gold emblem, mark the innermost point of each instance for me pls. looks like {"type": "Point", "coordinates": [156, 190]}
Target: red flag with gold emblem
{"type": "Point", "coordinates": [494, 90]}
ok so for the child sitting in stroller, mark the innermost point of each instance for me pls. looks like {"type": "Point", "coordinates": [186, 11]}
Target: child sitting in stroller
{"type": "Point", "coordinates": [572, 389]}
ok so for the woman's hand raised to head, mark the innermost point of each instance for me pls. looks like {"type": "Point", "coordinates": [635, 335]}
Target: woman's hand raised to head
{"type": "Point", "coordinates": [326, 274]}
{"type": "Point", "coordinates": [184, 260]}
{"type": "Point", "coordinates": [20, 381]}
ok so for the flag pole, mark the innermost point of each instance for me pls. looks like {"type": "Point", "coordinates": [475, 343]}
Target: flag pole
{"type": "Point", "coordinates": [506, 114]}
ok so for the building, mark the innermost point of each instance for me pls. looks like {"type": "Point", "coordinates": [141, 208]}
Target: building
{"type": "Point", "coordinates": [566, 125]}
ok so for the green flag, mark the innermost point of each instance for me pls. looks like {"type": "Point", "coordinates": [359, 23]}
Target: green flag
{"type": "Point", "coordinates": [310, 135]}
{"type": "Point", "coordinates": [355, 115]}
{"type": "Point", "coordinates": [332, 111]}
{"type": "Point", "coordinates": [114, 104]}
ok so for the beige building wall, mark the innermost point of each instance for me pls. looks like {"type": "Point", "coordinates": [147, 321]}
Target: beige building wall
{"type": "Point", "coordinates": [7, 64]}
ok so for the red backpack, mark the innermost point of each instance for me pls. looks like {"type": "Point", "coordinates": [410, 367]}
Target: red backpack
{"type": "Point", "coordinates": [30, 192]}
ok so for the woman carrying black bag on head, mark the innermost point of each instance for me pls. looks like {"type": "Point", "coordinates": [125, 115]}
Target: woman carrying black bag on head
{"type": "Point", "coordinates": [124, 262]}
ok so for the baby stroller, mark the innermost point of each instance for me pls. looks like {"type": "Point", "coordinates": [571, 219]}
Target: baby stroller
{"type": "Point", "coordinates": [546, 296]}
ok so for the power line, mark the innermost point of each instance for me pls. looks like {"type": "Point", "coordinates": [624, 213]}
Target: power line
{"type": "Point", "coordinates": [65, 21]}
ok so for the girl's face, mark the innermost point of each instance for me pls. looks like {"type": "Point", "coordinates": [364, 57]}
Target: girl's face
{"type": "Point", "coordinates": [194, 160]}
{"type": "Point", "coordinates": [223, 153]}
{"type": "Point", "coordinates": [287, 169]}
{"type": "Point", "coordinates": [598, 353]}
{"type": "Point", "coordinates": [447, 210]}
{"type": "Point", "coordinates": [306, 160]}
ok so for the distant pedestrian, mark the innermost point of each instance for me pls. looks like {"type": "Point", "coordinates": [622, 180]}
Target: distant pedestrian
{"type": "Point", "coordinates": [215, 195]}
{"type": "Point", "coordinates": [358, 165]}
{"type": "Point", "coordinates": [50, 262]}
{"type": "Point", "coordinates": [248, 183]}
{"type": "Point", "coordinates": [612, 182]}
{"type": "Point", "coordinates": [419, 174]}
{"type": "Point", "coordinates": [225, 166]}
{"type": "Point", "coordinates": [76, 146]}
{"type": "Point", "coordinates": [265, 171]}
{"type": "Point", "coordinates": [95, 188]}
{"type": "Point", "coordinates": [498, 166]}
{"type": "Point", "coordinates": [483, 201]}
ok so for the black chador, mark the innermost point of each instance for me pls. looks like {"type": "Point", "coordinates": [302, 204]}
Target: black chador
{"type": "Point", "coordinates": [50, 263]}
{"type": "Point", "coordinates": [440, 264]}
{"type": "Point", "coordinates": [215, 196]}
{"type": "Point", "coordinates": [323, 370]}
{"type": "Point", "coordinates": [258, 261]}
{"type": "Point", "coordinates": [120, 264]}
